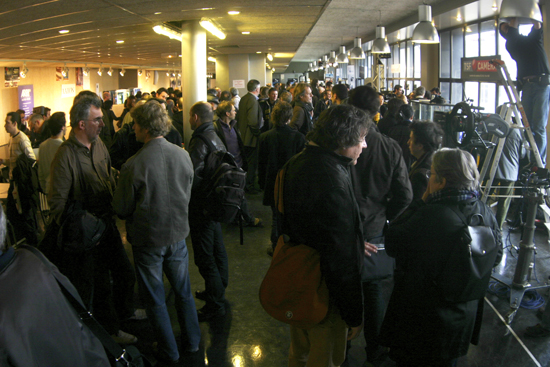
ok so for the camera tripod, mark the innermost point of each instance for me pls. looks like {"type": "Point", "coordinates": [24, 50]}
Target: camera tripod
{"type": "Point", "coordinates": [535, 184]}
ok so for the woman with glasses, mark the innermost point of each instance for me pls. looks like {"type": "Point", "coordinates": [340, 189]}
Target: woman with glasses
{"type": "Point", "coordinates": [422, 326]}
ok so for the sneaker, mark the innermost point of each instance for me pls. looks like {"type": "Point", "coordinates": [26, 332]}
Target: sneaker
{"type": "Point", "coordinates": [124, 338]}
{"type": "Point", "coordinates": [139, 314]}
{"type": "Point", "coordinates": [536, 331]}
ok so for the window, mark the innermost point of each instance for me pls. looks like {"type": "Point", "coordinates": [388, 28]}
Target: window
{"type": "Point", "coordinates": [405, 66]}
{"type": "Point", "coordinates": [471, 40]}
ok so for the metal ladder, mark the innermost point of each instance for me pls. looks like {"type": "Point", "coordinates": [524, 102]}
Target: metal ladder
{"type": "Point", "coordinates": [516, 107]}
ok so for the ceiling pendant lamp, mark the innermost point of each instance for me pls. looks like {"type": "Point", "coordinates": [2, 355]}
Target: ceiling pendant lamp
{"type": "Point", "coordinates": [357, 53]}
{"type": "Point", "coordinates": [320, 64]}
{"type": "Point", "coordinates": [425, 32]}
{"type": "Point", "coordinates": [526, 11]}
{"type": "Point", "coordinates": [325, 61]}
{"type": "Point", "coordinates": [332, 62]}
{"type": "Point", "coordinates": [380, 45]}
{"type": "Point", "coordinates": [342, 57]}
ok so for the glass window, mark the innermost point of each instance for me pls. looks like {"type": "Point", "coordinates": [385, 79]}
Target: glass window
{"type": "Point", "coordinates": [395, 61]}
{"type": "Point", "coordinates": [402, 60]}
{"type": "Point", "coordinates": [458, 52]}
{"type": "Point", "coordinates": [502, 96]}
{"type": "Point", "coordinates": [445, 50]}
{"type": "Point", "coordinates": [505, 56]}
{"type": "Point", "coordinates": [417, 61]}
{"type": "Point", "coordinates": [445, 89]}
{"type": "Point", "coordinates": [487, 38]}
{"type": "Point", "coordinates": [456, 93]}
{"type": "Point", "coordinates": [471, 90]}
{"type": "Point", "coordinates": [472, 41]}
{"type": "Point", "coordinates": [410, 62]}
{"type": "Point", "coordinates": [488, 97]}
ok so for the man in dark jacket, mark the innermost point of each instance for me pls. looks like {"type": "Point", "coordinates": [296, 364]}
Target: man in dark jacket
{"type": "Point", "coordinates": [302, 117]}
{"type": "Point", "coordinates": [250, 123]}
{"type": "Point", "coordinates": [267, 107]}
{"type": "Point", "coordinates": [276, 147]}
{"type": "Point", "coordinates": [401, 132]}
{"type": "Point", "coordinates": [231, 138]}
{"type": "Point", "coordinates": [383, 191]}
{"type": "Point", "coordinates": [425, 138]}
{"type": "Point", "coordinates": [206, 235]}
{"type": "Point", "coordinates": [320, 211]}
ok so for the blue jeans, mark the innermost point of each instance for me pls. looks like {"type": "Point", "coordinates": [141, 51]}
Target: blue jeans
{"type": "Point", "coordinates": [535, 100]}
{"type": "Point", "coordinates": [150, 262]}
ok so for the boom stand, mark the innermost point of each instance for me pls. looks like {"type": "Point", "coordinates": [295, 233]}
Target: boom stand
{"type": "Point", "coordinates": [524, 267]}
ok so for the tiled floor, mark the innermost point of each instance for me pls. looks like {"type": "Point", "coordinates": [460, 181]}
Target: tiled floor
{"type": "Point", "coordinates": [248, 337]}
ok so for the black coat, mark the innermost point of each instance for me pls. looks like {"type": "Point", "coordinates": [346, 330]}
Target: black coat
{"type": "Point", "coordinates": [401, 133]}
{"type": "Point", "coordinates": [320, 211]}
{"type": "Point", "coordinates": [276, 147]}
{"type": "Point", "coordinates": [418, 321]}
{"type": "Point", "coordinates": [301, 117]}
{"type": "Point", "coordinates": [381, 183]}
{"type": "Point", "coordinates": [419, 175]}
{"type": "Point", "coordinates": [177, 121]}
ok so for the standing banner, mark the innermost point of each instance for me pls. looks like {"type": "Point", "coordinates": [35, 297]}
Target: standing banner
{"type": "Point", "coordinates": [25, 94]}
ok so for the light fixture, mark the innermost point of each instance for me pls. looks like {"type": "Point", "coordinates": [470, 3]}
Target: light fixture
{"type": "Point", "coordinates": [357, 53]}
{"type": "Point", "coordinates": [167, 31]}
{"type": "Point", "coordinates": [459, 17]}
{"type": "Point", "coordinates": [120, 41]}
{"type": "Point", "coordinates": [110, 72]}
{"type": "Point", "coordinates": [310, 68]}
{"type": "Point", "coordinates": [342, 57]}
{"type": "Point", "coordinates": [380, 45]}
{"type": "Point", "coordinates": [86, 70]}
{"type": "Point", "coordinates": [122, 71]}
{"type": "Point", "coordinates": [65, 71]}
{"type": "Point", "coordinates": [273, 70]}
{"type": "Point", "coordinates": [140, 72]}
{"type": "Point", "coordinates": [168, 73]}
{"type": "Point", "coordinates": [325, 61]}
{"type": "Point", "coordinates": [332, 62]}
{"type": "Point", "coordinates": [495, 7]}
{"type": "Point", "coordinates": [64, 31]}
{"type": "Point", "coordinates": [270, 56]}
{"type": "Point", "coordinates": [525, 11]}
{"type": "Point", "coordinates": [100, 70]}
{"type": "Point", "coordinates": [211, 59]}
{"type": "Point", "coordinates": [211, 27]}
{"type": "Point", "coordinates": [245, 32]}
{"type": "Point", "coordinates": [233, 12]}
{"type": "Point", "coordinates": [425, 31]}
{"type": "Point", "coordinates": [173, 74]}
{"type": "Point", "coordinates": [320, 64]}
{"type": "Point", "coordinates": [24, 70]}
{"type": "Point", "coordinates": [258, 52]}
{"type": "Point", "coordinates": [179, 73]}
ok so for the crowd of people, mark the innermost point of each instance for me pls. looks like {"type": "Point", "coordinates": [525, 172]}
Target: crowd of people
{"type": "Point", "coordinates": [358, 182]}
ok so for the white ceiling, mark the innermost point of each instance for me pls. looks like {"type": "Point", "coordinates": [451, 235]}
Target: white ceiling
{"type": "Point", "coordinates": [29, 29]}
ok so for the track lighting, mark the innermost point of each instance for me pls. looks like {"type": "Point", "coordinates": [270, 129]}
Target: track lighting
{"type": "Point", "coordinates": [24, 70]}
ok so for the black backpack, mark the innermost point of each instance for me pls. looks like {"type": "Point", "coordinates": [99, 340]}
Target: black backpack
{"type": "Point", "coordinates": [466, 275]}
{"type": "Point", "coordinates": [222, 185]}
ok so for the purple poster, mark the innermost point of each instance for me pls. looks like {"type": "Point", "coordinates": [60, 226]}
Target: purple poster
{"type": "Point", "coordinates": [26, 98]}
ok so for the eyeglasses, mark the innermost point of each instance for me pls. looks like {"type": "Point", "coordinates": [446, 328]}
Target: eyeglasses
{"type": "Point", "coordinates": [97, 119]}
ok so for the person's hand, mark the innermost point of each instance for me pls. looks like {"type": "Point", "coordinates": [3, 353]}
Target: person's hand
{"type": "Point", "coordinates": [353, 332]}
{"type": "Point", "coordinates": [513, 22]}
{"type": "Point", "coordinates": [370, 249]}
{"type": "Point", "coordinates": [537, 25]}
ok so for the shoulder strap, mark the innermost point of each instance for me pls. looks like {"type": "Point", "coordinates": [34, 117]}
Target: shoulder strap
{"type": "Point", "coordinates": [114, 349]}
{"type": "Point", "coordinates": [207, 142]}
{"type": "Point", "coordinates": [463, 218]}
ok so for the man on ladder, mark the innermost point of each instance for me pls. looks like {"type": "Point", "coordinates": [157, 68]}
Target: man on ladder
{"type": "Point", "coordinates": [533, 76]}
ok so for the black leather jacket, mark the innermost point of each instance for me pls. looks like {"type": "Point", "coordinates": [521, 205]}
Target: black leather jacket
{"type": "Point", "coordinates": [320, 211]}
{"type": "Point", "coordinates": [199, 149]}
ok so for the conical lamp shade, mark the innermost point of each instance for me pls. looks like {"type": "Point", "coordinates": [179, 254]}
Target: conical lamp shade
{"type": "Point", "coordinates": [526, 11]}
{"type": "Point", "coordinates": [425, 32]}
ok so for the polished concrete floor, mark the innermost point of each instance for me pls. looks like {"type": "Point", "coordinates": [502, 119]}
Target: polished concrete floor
{"type": "Point", "coordinates": [248, 337]}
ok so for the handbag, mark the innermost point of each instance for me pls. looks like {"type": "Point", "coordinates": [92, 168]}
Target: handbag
{"type": "Point", "coordinates": [127, 357]}
{"type": "Point", "coordinates": [466, 274]}
{"type": "Point", "coordinates": [294, 290]}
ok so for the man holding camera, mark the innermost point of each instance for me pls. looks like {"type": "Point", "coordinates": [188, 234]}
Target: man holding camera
{"type": "Point", "coordinates": [533, 76]}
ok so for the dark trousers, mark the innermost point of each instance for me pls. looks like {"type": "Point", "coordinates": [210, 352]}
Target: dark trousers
{"type": "Point", "coordinates": [111, 304]}
{"type": "Point", "coordinates": [24, 224]}
{"type": "Point", "coordinates": [210, 258]}
{"type": "Point", "coordinates": [373, 307]}
{"type": "Point", "coordinates": [251, 154]}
